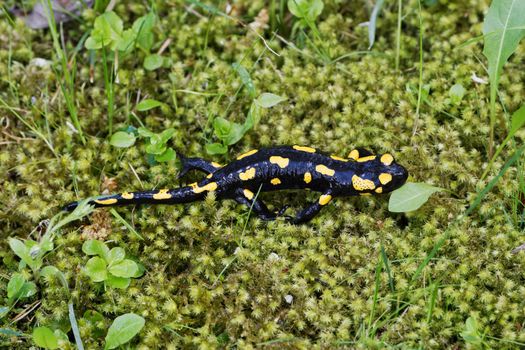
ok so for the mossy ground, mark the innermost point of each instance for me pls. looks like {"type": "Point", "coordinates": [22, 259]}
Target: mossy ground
{"type": "Point", "coordinates": [211, 283]}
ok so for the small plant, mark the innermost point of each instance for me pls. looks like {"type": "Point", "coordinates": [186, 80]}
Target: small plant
{"type": "Point", "coordinates": [307, 12]}
{"type": "Point", "coordinates": [503, 29]}
{"type": "Point", "coordinates": [110, 266]}
{"type": "Point", "coordinates": [123, 329]}
{"type": "Point", "coordinates": [229, 133]}
{"type": "Point", "coordinates": [46, 338]}
{"type": "Point", "coordinates": [108, 34]}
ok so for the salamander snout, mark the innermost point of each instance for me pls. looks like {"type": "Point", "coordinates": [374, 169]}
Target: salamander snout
{"type": "Point", "coordinates": [399, 176]}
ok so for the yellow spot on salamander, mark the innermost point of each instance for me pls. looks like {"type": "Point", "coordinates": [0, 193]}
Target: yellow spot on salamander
{"type": "Point", "coordinates": [209, 176]}
{"type": "Point", "coordinates": [127, 195]}
{"type": "Point", "coordinates": [212, 186]}
{"type": "Point", "coordinates": [366, 159]}
{"type": "Point", "coordinates": [339, 158]}
{"type": "Point", "coordinates": [379, 190]}
{"type": "Point", "coordinates": [361, 184]}
{"type": "Point", "coordinates": [280, 161]}
{"type": "Point", "coordinates": [249, 153]}
{"type": "Point", "coordinates": [304, 148]}
{"type": "Point", "coordinates": [275, 181]}
{"type": "Point", "coordinates": [323, 169]}
{"type": "Point", "coordinates": [248, 194]}
{"type": "Point", "coordinates": [307, 177]}
{"type": "Point", "coordinates": [162, 194]}
{"type": "Point", "coordinates": [325, 199]}
{"type": "Point", "coordinates": [106, 201]}
{"type": "Point", "coordinates": [354, 154]}
{"type": "Point", "coordinates": [385, 178]}
{"type": "Point", "coordinates": [216, 165]}
{"type": "Point", "coordinates": [387, 159]}
{"type": "Point", "coordinates": [247, 175]}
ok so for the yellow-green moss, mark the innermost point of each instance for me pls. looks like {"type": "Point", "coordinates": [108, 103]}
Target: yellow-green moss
{"type": "Point", "coordinates": [209, 283]}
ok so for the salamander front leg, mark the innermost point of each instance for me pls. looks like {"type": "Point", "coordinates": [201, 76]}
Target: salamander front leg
{"type": "Point", "coordinates": [200, 164]}
{"type": "Point", "coordinates": [257, 206]}
{"type": "Point", "coordinates": [313, 209]}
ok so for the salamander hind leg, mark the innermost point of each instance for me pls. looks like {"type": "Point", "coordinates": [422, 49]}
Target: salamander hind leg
{"type": "Point", "coordinates": [257, 206]}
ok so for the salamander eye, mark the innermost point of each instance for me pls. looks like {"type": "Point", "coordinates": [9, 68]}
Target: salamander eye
{"type": "Point", "coordinates": [387, 159]}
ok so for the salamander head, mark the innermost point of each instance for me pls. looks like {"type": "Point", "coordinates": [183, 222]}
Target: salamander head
{"type": "Point", "coordinates": [379, 174]}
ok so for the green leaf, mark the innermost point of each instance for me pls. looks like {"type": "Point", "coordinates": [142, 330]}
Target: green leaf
{"type": "Point", "coordinates": [410, 197]}
{"type": "Point", "coordinates": [45, 338]}
{"type": "Point", "coordinates": [20, 249]}
{"type": "Point", "coordinates": [117, 282]}
{"type": "Point", "coordinates": [147, 104]}
{"type": "Point", "coordinates": [143, 27]}
{"type": "Point", "coordinates": [27, 290]}
{"type": "Point", "coordinates": [253, 117]}
{"type": "Point", "coordinates": [126, 268]}
{"type": "Point", "coordinates": [267, 100]}
{"type": "Point", "coordinates": [216, 148]}
{"type": "Point", "coordinates": [107, 31]}
{"type": "Point", "coordinates": [15, 285]}
{"type": "Point", "coordinates": [4, 310]}
{"type": "Point", "coordinates": [145, 132]}
{"type": "Point", "coordinates": [456, 93]}
{"type": "Point", "coordinates": [123, 329]}
{"type": "Point", "coordinates": [126, 43]}
{"type": "Point", "coordinates": [169, 154]}
{"type": "Point", "coordinates": [156, 147]}
{"type": "Point", "coordinates": [95, 247]}
{"type": "Point", "coordinates": [501, 36]}
{"type": "Point", "coordinates": [122, 139]}
{"type": "Point", "coordinates": [154, 61]}
{"type": "Point", "coordinates": [96, 269]}
{"type": "Point", "coordinates": [115, 255]}
{"type": "Point", "coordinates": [228, 132]}
{"type": "Point", "coordinates": [372, 22]}
{"type": "Point", "coordinates": [471, 333]}
{"type": "Point", "coordinates": [517, 121]}
{"type": "Point", "coordinates": [166, 135]}
{"type": "Point", "coordinates": [307, 9]}
{"type": "Point", "coordinates": [245, 78]}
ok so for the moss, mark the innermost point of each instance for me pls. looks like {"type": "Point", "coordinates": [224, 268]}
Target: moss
{"type": "Point", "coordinates": [214, 279]}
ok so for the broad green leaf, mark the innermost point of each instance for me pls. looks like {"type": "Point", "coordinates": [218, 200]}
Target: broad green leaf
{"type": "Point", "coordinates": [147, 104]}
{"type": "Point", "coordinates": [95, 247]}
{"type": "Point", "coordinates": [456, 93]}
{"type": "Point", "coordinates": [27, 290]}
{"type": "Point", "coordinates": [107, 31]}
{"type": "Point", "coordinates": [45, 338]}
{"type": "Point", "coordinates": [216, 148]}
{"type": "Point", "coordinates": [154, 61]}
{"type": "Point", "coordinates": [143, 27]}
{"type": "Point", "coordinates": [123, 329]}
{"type": "Point", "coordinates": [169, 154]}
{"type": "Point", "coordinates": [228, 132]}
{"type": "Point", "coordinates": [307, 9]}
{"type": "Point", "coordinates": [122, 139]}
{"type": "Point", "coordinates": [471, 333]}
{"type": "Point", "coordinates": [253, 117]}
{"type": "Point", "coordinates": [126, 43]}
{"type": "Point", "coordinates": [166, 135]}
{"type": "Point", "coordinates": [20, 249]}
{"type": "Point", "coordinates": [156, 148]}
{"type": "Point", "coordinates": [15, 285]}
{"type": "Point", "coordinates": [126, 268]}
{"type": "Point", "coordinates": [96, 269]}
{"type": "Point", "coordinates": [115, 255]}
{"type": "Point", "coordinates": [267, 100]}
{"type": "Point", "coordinates": [501, 36]}
{"type": "Point", "coordinates": [117, 282]}
{"type": "Point", "coordinates": [372, 22]}
{"type": "Point", "coordinates": [410, 197]}
{"type": "Point", "coordinates": [245, 78]}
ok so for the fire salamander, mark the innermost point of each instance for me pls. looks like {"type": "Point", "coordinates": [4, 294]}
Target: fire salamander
{"type": "Point", "coordinates": [278, 168]}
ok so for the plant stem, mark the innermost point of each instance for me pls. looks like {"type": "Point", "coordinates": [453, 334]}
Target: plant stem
{"type": "Point", "coordinates": [398, 33]}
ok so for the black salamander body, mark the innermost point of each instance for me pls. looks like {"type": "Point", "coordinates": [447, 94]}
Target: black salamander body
{"type": "Point", "coordinates": [278, 168]}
